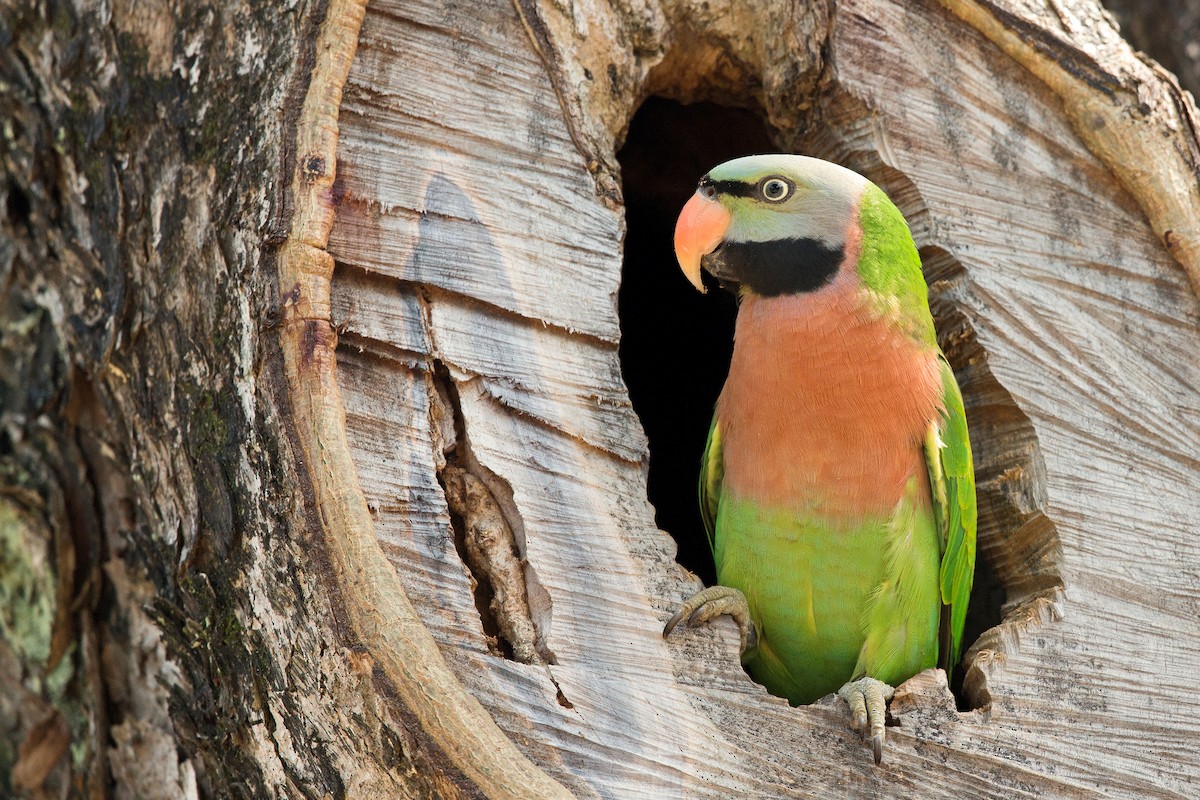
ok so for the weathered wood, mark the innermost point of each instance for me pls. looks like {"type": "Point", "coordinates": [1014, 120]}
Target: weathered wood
{"type": "Point", "coordinates": [1131, 114]}
{"type": "Point", "coordinates": [1091, 332]}
{"type": "Point", "coordinates": [1164, 29]}
{"type": "Point", "coordinates": [478, 242]}
{"type": "Point", "coordinates": [377, 610]}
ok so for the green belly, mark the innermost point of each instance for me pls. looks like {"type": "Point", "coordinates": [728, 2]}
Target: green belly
{"type": "Point", "coordinates": [833, 600]}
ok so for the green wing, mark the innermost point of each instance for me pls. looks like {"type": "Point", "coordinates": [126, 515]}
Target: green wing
{"type": "Point", "coordinates": [712, 472]}
{"type": "Point", "coordinates": [952, 478]}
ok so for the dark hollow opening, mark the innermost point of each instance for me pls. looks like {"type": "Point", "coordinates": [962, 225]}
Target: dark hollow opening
{"type": "Point", "coordinates": [986, 610]}
{"type": "Point", "coordinates": [675, 342]}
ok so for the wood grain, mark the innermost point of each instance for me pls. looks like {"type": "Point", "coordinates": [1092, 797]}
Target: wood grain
{"type": "Point", "coordinates": [457, 737]}
{"type": "Point", "coordinates": [477, 267]}
{"type": "Point", "coordinates": [1130, 112]}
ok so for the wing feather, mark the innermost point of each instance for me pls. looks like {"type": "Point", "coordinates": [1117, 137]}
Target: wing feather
{"type": "Point", "coordinates": [952, 479]}
{"type": "Point", "coordinates": [712, 472]}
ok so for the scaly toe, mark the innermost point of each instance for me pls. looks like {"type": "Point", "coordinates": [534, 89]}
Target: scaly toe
{"type": "Point", "coordinates": [868, 699]}
{"type": "Point", "coordinates": [710, 603]}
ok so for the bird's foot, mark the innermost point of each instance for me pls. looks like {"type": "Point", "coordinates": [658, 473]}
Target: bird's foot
{"type": "Point", "coordinates": [711, 603]}
{"type": "Point", "coordinates": [868, 699]}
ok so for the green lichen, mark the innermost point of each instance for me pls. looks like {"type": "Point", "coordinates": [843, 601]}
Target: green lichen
{"type": "Point", "coordinates": [27, 583]}
{"type": "Point", "coordinates": [232, 632]}
{"type": "Point", "coordinates": [208, 430]}
{"type": "Point", "coordinates": [58, 680]}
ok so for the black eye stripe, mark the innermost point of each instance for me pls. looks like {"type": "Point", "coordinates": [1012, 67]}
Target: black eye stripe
{"type": "Point", "coordinates": [732, 188]}
{"type": "Point", "coordinates": [743, 189]}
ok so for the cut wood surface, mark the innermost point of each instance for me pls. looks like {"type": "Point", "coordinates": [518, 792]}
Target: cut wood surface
{"type": "Point", "coordinates": [478, 255]}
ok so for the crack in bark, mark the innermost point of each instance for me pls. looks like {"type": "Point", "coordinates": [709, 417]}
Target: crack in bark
{"type": "Point", "coordinates": [597, 156]}
{"type": "Point", "coordinates": [486, 540]}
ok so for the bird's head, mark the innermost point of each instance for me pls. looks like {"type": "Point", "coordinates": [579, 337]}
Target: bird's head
{"type": "Point", "coordinates": [769, 225]}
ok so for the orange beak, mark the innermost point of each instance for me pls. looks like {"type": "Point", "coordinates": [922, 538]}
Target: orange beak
{"type": "Point", "coordinates": [700, 229]}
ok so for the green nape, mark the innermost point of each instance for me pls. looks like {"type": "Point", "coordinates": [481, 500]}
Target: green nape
{"type": "Point", "coordinates": [833, 600]}
{"type": "Point", "coordinates": [890, 266]}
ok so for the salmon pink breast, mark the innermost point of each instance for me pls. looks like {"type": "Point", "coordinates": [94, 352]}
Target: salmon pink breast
{"type": "Point", "coordinates": [823, 384]}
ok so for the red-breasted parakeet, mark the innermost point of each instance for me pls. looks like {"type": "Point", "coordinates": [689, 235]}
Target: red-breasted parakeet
{"type": "Point", "coordinates": [837, 485]}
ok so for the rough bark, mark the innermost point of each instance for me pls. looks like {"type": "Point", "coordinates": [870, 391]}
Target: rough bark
{"type": "Point", "coordinates": [167, 628]}
{"type": "Point", "coordinates": [320, 476]}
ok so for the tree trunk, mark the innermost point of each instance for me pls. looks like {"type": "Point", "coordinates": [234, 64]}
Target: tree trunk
{"type": "Point", "coordinates": [321, 478]}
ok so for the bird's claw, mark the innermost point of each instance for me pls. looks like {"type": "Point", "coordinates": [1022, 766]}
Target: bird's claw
{"type": "Point", "coordinates": [868, 699]}
{"type": "Point", "coordinates": [711, 603]}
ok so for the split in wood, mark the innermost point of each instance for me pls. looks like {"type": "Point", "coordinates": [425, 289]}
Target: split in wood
{"type": "Point", "coordinates": [483, 533]}
{"type": "Point", "coordinates": [491, 556]}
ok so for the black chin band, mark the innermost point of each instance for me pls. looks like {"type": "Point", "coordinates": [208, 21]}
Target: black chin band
{"type": "Point", "coordinates": [777, 266]}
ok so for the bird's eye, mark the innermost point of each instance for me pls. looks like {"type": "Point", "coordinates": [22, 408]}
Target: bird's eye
{"type": "Point", "coordinates": [775, 190]}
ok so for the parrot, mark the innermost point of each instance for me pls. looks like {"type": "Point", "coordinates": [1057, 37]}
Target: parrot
{"type": "Point", "coordinates": [837, 484]}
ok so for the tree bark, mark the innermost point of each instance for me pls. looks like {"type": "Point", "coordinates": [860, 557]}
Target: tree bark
{"type": "Point", "coordinates": [320, 475]}
{"type": "Point", "coordinates": [168, 629]}
{"type": "Point", "coordinates": [1167, 30]}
